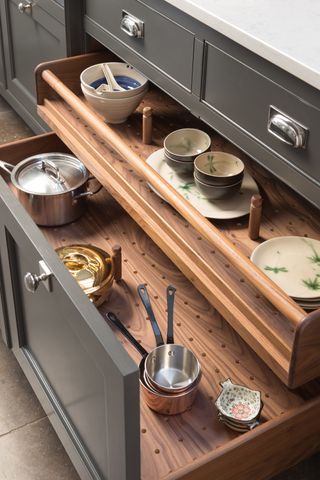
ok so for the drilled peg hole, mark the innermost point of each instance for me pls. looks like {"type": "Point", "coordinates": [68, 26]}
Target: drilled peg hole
{"type": "Point", "coordinates": [223, 345]}
{"type": "Point", "coordinates": [153, 265]}
{"type": "Point", "coordinates": [204, 428]}
{"type": "Point", "coordinates": [157, 451]}
{"type": "Point", "coordinates": [180, 439]}
{"type": "Point", "coordinates": [238, 361]}
{"type": "Point", "coordinates": [199, 238]}
{"type": "Point", "coordinates": [144, 430]}
{"type": "Point", "coordinates": [217, 370]}
{"type": "Point", "coordinates": [133, 243]}
{"type": "Point", "coordinates": [156, 297]}
{"type": "Point", "coordinates": [251, 377]}
{"type": "Point", "coordinates": [267, 395]}
{"type": "Point", "coordinates": [137, 304]}
{"type": "Point", "coordinates": [227, 265]}
{"type": "Point", "coordinates": [125, 260]}
{"type": "Point", "coordinates": [135, 272]}
{"type": "Point", "coordinates": [190, 339]}
{"type": "Point", "coordinates": [305, 235]}
{"type": "Point", "coordinates": [213, 252]}
{"type": "Point", "coordinates": [185, 302]}
{"type": "Point", "coordinates": [197, 316]}
{"type": "Point", "coordinates": [257, 295]}
{"type": "Point", "coordinates": [242, 280]}
{"type": "Point", "coordinates": [107, 238]}
{"type": "Point", "coordinates": [210, 330]}
{"type": "Point", "coordinates": [179, 324]}
{"type": "Point", "coordinates": [163, 277]}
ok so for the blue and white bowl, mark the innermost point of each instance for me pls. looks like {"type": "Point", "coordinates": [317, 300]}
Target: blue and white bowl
{"type": "Point", "coordinates": [128, 78]}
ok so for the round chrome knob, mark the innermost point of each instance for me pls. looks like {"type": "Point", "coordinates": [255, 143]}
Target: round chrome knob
{"type": "Point", "coordinates": [25, 7]}
{"type": "Point", "coordinates": [31, 281]}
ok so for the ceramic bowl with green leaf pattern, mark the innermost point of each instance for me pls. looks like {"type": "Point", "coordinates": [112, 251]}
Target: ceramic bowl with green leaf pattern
{"type": "Point", "coordinates": [219, 168]}
{"type": "Point", "coordinates": [186, 144]}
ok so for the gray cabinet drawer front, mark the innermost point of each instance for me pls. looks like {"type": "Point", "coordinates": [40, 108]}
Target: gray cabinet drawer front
{"type": "Point", "coordinates": [2, 65]}
{"type": "Point", "coordinates": [34, 38]}
{"type": "Point", "coordinates": [166, 45]}
{"type": "Point", "coordinates": [67, 350]}
{"type": "Point", "coordinates": [243, 95]}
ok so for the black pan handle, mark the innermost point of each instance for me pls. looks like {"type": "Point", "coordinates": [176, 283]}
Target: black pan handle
{"type": "Point", "coordinates": [142, 290]}
{"type": "Point", "coordinates": [170, 302]}
{"type": "Point", "coordinates": [111, 317]}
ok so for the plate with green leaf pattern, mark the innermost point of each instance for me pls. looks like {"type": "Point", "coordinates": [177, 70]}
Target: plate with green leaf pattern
{"type": "Point", "coordinates": [234, 206]}
{"type": "Point", "coordinates": [293, 263]}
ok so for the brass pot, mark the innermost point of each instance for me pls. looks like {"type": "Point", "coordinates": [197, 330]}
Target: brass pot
{"type": "Point", "coordinates": [92, 268]}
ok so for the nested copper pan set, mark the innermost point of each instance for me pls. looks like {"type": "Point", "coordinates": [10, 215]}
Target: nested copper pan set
{"type": "Point", "coordinates": [170, 374]}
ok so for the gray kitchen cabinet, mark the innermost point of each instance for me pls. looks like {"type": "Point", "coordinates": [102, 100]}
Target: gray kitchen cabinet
{"type": "Point", "coordinates": [85, 380]}
{"type": "Point", "coordinates": [158, 41]}
{"type": "Point", "coordinates": [2, 65]}
{"type": "Point", "coordinates": [29, 38]}
{"type": "Point", "coordinates": [230, 88]}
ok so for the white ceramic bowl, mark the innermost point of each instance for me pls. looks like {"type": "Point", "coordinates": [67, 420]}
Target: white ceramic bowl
{"type": "Point", "coordinates": [114, 110]}
{"type": "Point", "coordinates": [186, 144]}
{"type": "Point", "coordinates": [119, 69]}
{"type": "Point", "coordinates": [219, 168]}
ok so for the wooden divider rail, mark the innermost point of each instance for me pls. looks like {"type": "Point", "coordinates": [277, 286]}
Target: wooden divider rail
{"type": "Point", "coordinates": [290, 344]}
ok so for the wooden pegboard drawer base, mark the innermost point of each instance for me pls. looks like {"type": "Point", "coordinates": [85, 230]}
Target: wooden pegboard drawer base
{"type": "Point", "coordinates": [213, 257]}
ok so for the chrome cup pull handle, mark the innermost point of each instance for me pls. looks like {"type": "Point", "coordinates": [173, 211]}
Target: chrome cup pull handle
{"type": "Point", "coordinates": [286, 129]}
{"type": "Point", "coordinates": [32, 280]}
{"type": "Point", "coordinates": [131, 25]}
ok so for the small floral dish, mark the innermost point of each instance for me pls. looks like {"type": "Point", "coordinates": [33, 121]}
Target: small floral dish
{"type": "Point", "coordinates": [239, 403]}
{"type": "Point", "coordinates": [236, 426]}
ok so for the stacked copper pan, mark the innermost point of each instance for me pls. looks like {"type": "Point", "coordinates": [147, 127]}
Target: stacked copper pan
{"type": "Point", "coordinates": [171, 373]}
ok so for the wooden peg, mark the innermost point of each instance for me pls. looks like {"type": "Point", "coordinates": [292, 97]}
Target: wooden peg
{"type": "Point", "coordinates": [117, 262]}
{"type": "Point", "coordinates": [147, 125]}
{"type": "Point", "coordinates": [255, 216]}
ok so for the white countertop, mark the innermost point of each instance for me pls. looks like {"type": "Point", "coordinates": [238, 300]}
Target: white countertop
{"type": "Point", "coordinates": [285, 32]}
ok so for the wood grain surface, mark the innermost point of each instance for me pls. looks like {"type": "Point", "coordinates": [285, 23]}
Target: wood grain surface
{"type": "Point", "coordinates": [268, 331]}
{"type": "Point", "coordinates": [194, 444]}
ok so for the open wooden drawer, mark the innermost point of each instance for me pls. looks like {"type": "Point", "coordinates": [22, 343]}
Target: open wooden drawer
{"type": "Point", "coordinates": [213, 257]}
{"type": "Point", "coordinates": [87, 382]}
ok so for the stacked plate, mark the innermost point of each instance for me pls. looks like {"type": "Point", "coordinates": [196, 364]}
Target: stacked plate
{"type": "Point", "coordinates": [293, 263]}
{"type": "Point", "coordinates": [239, 407]}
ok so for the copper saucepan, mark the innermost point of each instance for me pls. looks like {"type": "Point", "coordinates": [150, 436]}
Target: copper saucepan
{"type": "Point", "coordinates": [166, 404]}
{"type": "Point", "coordinates": [169, 368]}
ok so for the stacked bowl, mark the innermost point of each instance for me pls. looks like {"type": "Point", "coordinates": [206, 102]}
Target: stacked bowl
{"type": "Point", "coordinates": [181, 147]}
{"type": "Point", "coordinates": [116, 101]}
{"type": "Point", "coordinates": [218, 174]}
{"type": "Point", "coordinates": [239, 407]}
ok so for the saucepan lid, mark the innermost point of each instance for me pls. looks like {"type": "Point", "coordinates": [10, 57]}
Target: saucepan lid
{"type": "Point", "coordinates": [49, 174]}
